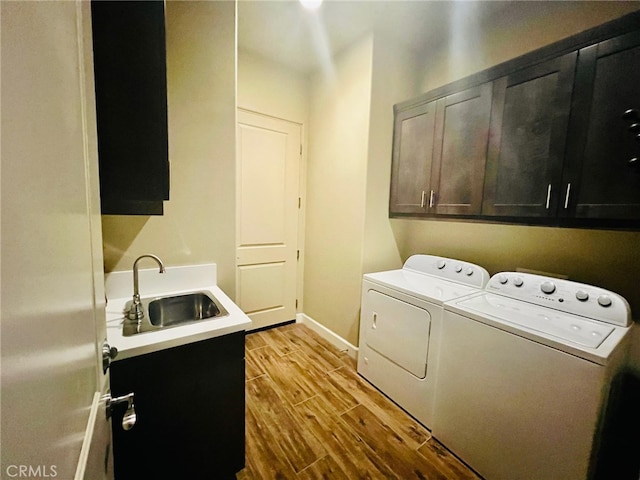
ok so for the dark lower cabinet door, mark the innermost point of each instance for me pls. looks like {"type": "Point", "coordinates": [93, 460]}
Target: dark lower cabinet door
{"type": "Point", "coordinates": [190, 406]}
{"type": "Point", "coordinates": [412, 155]}
{"type": "Point", "coordinates": [529, 122]}
{"type": "Point", "coordinates": [460, 153]}
{"type": "Point", "coordinates": [603, 169]}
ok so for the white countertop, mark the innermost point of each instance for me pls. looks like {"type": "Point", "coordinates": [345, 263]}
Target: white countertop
{"type": "Point", "coordinates": [176, 280]}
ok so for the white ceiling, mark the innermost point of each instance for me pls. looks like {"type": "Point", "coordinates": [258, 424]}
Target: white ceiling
{"type": "Point", "coordinates": [284, 32]}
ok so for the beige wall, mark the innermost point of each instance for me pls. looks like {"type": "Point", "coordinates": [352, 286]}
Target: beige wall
{"type": "Point", "coordinates": [199, 221]}
{"type": "Point", "coordinates": [336, 183]}
{"type": "Point", "coordinates": [268, 88]}
{"type": "Point", "coordinates": [392, 77]}
{"type": "Point", "coordinates": [521, 27]}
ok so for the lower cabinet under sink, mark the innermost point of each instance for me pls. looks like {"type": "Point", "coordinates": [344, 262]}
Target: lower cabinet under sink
{"type": "Point", "coordinates": [190, 407]}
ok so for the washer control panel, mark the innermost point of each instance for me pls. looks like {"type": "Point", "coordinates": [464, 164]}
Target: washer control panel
{"type": "Point", "coordinates": [449, 269]}
{"type": "Point", "coordinates": [571, 297]}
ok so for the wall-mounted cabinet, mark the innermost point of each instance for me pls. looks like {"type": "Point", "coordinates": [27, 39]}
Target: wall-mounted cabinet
{"type": "Point", "coordinates": [460, 154]}
{"type": "Point", "coordinates": [131, 105]}
{"type": "Point", "coordinates": [412, 158]}
{"type": "Point", "coordinates": [550, 138]}
{"type": "Point", "coordinates": [603, 161]}
{"type": "Point", "coordinates": [528, 132]}
{"type": "Point", "coordinates": [440, 153]}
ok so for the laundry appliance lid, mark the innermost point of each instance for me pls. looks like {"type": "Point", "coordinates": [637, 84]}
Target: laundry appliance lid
{"type": "Point", "coordinates": [589, 339]}
{"type": "Point", "coordinates": [426, 287]}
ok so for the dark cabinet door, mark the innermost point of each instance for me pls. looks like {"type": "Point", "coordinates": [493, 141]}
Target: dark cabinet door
{"type": "Point", "coordinates": [603, 169]}
{"type": "Point", "coordinates": [411, 161]}
{"type": "Point", "coordinates": [529, 121]}
{"type": "Point", "coordinates": [131, 105]}
{"type": "Point", "coordinates": [190, 408]}
{"type": "Point", "coordinates": [460, 152]}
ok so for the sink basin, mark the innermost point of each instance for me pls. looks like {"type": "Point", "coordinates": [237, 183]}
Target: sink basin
{"type": "Point", "coordinates": [172, 311]}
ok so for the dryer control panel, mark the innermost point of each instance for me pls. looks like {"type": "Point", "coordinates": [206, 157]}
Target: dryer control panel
{"type": "Point", "coordinates": [449, 269]}
{"type": "Point", "coordinates": [572, 297]}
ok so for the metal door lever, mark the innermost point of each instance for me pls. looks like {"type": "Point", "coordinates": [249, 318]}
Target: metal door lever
{"type": "Point", "coordinates": [129, 418]}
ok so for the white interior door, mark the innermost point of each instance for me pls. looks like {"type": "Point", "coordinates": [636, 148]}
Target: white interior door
{"type": "Point", "coordinates": [269, 153]}
{"type": "Point", "coordinates": [52, 309]}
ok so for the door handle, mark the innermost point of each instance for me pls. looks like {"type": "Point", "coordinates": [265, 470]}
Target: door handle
{"type": "Point", "coordinates": [108, 354]}
{"type": "Point", "coordinates": [129, 417]}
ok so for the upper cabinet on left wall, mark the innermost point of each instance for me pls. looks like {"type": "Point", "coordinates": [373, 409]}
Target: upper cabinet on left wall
{"type": "Point", "coordinates": [131, 102]}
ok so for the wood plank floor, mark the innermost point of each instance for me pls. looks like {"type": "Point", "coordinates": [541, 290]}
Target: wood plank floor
{"type": "Point", "coordinates": [310, 416]}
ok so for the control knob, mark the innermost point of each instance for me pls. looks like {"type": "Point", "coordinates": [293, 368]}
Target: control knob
{"type": "Point", "coordinates": [503, 279]}
{"type": "Point", "coordinates": [469, 271]}
{"type": "Point", "coordinates": [604, 300]}
{"type": "Point", "coordinates": [547, 287]}
{"type": "Point", "coordinates": [458, 268]}
{"type": "Point", "coordinates": [582, 295]}
{"type": "Point", "coordinates": [441, 264]}
{"type": "Point", "coordinates": [518, 281]}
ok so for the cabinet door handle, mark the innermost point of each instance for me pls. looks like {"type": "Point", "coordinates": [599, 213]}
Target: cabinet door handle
{"type": "Point", "coordinates": [431, 199]}
{"type": "Point", "coordinates": [566, 197]}
{"type": "Point", "coordinates": [422, 199]}
{"type": "Point", "coordinates": [548, 196]}
{"type": "Point", "coordinates": [129, 418]}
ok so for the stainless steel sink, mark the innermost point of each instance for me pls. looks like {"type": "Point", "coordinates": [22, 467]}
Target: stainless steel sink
{"type": "Point", "coordinates": [172, 311]}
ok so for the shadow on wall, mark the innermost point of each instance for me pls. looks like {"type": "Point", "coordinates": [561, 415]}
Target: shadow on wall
{"type": "Point", "coordinates": [119, 232]}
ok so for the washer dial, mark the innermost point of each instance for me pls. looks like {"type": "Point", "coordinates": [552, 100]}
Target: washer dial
{"type": "Point", "coordinates": [548, 287]}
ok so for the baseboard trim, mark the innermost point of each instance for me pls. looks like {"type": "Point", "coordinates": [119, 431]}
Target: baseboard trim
{"type": "Point", "coordinates": [331, 337]}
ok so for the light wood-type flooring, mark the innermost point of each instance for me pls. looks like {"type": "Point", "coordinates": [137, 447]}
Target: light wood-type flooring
{"type": "Point", "coordinates": [311, 416]}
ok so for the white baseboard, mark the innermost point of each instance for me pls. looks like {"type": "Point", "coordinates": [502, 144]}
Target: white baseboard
{"type": "Point", "coordinates": [331, 337]}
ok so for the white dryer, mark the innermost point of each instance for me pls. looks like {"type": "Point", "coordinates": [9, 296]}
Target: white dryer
{"type": "Point", "coordinates": [524, 376]}
{"type": "Point", "coordinates": [400, 322]}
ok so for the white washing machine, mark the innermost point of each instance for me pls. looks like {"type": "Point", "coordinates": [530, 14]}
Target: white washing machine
{"type": "Point", "coordinates": [524, 376]}
{"type": "Point", "coordinates": [400, 321]}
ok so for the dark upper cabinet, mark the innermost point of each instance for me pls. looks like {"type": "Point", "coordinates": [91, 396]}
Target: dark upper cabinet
{"type": "Point", "coordinates": [131, 105]}
{"type": "Point", "coordinates": [529, 122]}
{"type": "Point", "coordinates": [412, 155]}
{"type": "Point", "coordinates": [603, 162]}
{"type": "Point", "coordinates": [439, 154]}
{"type": "Point", "coordinates": [548, 138]}
{"type": "Point", "coordinates": [460, 152]}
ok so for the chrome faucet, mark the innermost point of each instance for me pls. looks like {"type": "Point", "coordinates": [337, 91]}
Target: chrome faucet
{"type": "Point", "coordinates": [136, 312]}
